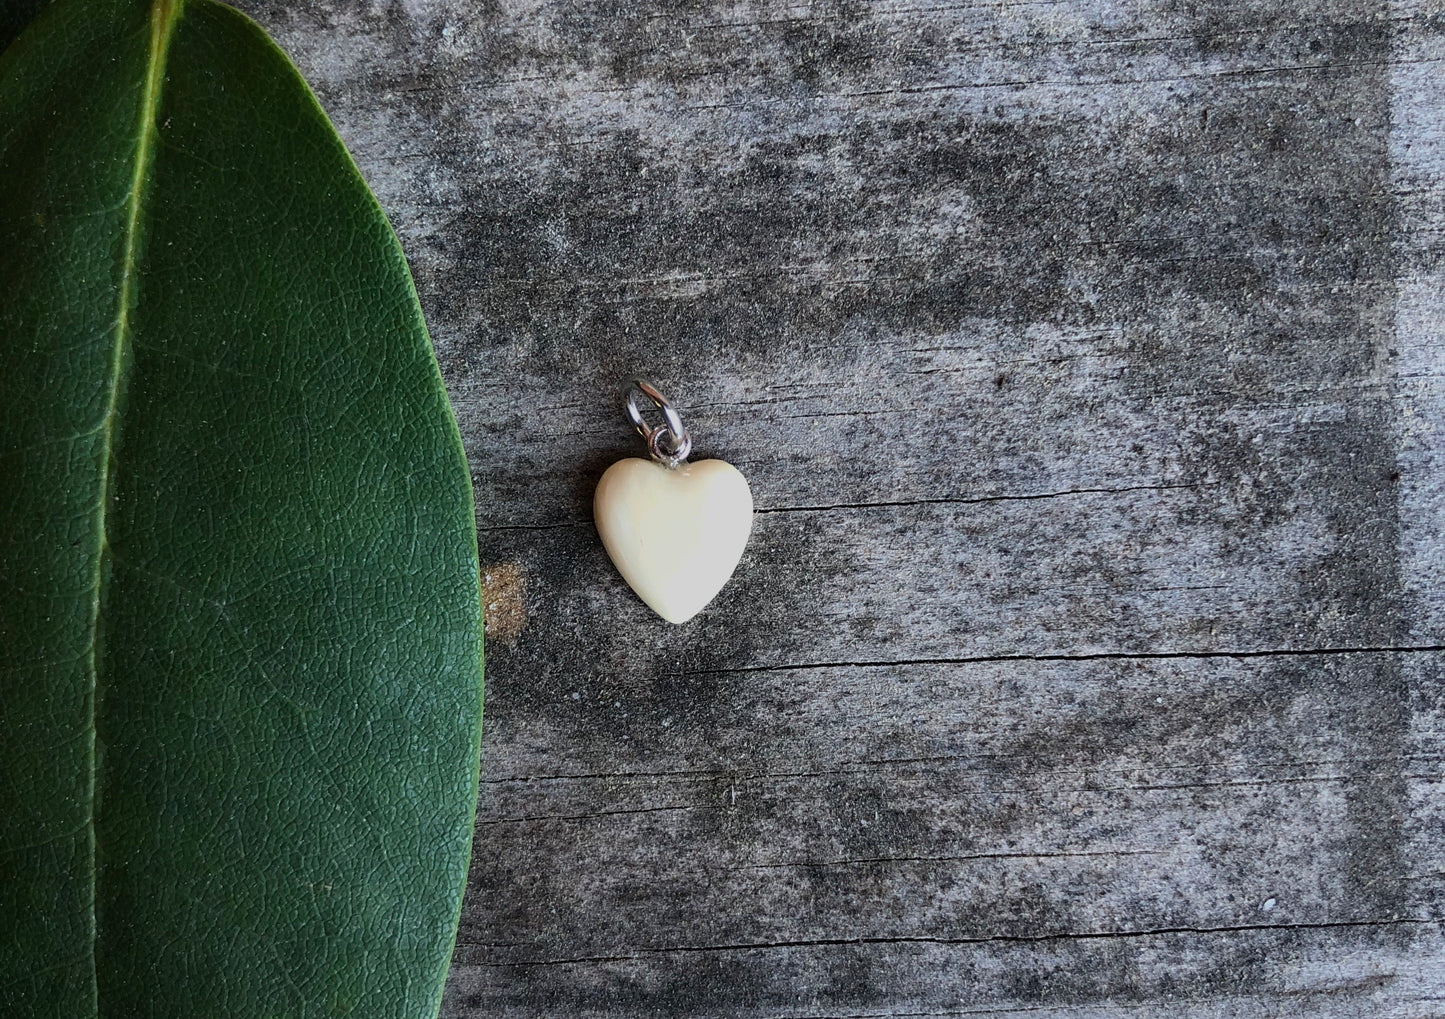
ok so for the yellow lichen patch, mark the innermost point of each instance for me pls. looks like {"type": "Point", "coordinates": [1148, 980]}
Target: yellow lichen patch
{"type": "Point", "coordinates": [504, 595]}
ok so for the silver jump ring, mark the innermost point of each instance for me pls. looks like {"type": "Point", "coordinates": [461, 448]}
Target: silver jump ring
{"type": "Point", "coordinates": [658, 445]}
{"type": "Point", "coordinates": [668, 443]}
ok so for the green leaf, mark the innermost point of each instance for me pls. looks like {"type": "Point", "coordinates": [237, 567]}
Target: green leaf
{"type": "Point", "coordinates": [240, 630]}
{"type": "Point", "coordinates": [15, 15]}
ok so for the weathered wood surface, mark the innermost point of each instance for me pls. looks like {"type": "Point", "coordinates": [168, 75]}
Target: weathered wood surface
{"type": "Point", "coordinates": [1086, 361]}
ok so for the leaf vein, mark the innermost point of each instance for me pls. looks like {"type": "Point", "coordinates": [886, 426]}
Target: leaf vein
{"type": "Point", "coordinates": [163, 17]}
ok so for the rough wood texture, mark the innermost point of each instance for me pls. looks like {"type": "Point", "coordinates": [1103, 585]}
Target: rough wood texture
{"type": "Point", "coordinates": [1085, 358]}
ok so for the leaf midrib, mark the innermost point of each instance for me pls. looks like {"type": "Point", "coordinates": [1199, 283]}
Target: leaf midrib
{"type": "Point", "coordinates": [163, 17]}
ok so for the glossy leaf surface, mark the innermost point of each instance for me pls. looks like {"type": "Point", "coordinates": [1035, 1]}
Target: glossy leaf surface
{"type": "Point", "coordinates": [240, 632]}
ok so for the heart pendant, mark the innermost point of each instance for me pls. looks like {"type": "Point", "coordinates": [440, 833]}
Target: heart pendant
{"type": "Point", "coordinates": [675, 530]}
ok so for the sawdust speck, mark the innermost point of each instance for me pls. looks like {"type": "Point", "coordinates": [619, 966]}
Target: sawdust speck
{"type": "Point", "coordinates": [504, 597]}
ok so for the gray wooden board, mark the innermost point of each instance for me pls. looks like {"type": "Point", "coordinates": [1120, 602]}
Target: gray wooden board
{"type": "Point", "coordinates": [1085, 358]}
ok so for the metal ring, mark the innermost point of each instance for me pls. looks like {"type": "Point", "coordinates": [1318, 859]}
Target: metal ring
{"type": "Point", "coordinates": [662, 454]}
{"type": "Point", "coordinates": [674, 420]}
{"type": "Point", "coordinates": [668, 443]}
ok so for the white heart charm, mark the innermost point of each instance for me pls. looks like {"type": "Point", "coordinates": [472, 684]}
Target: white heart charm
{"type": "Point", "coordinates": [675, 535]}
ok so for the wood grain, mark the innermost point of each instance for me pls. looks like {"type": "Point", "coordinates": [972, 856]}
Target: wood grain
{"type": "Point", "coordinates": [1086, 361]}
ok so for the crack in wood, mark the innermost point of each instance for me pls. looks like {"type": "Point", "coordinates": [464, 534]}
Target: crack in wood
{"type": "Point", "coordinates": [588, 816]}
{"type": "Point", "coordinates": [643, 954]}
{"type": "Point", "coordinates": [1091, 656]}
